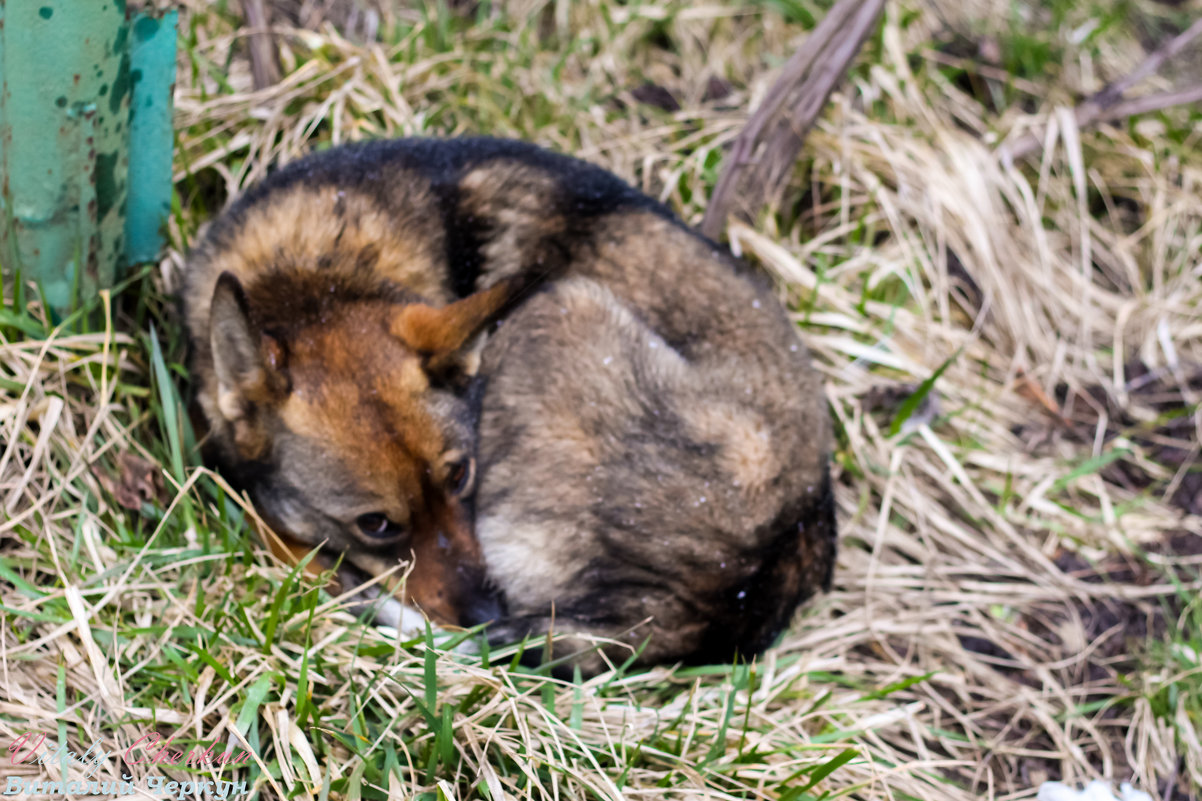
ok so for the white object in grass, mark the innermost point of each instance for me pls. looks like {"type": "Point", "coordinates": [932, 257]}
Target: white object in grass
{"type": "Point", "coordinates": [390, 612]}
{"type": "Point", "coordinates": [1094, 791]}
{"type": "Point", "coordinates": [408, 622]}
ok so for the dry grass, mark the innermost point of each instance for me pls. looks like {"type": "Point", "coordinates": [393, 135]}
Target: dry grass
{"type": "Point", "coordinates": [1008, 544]}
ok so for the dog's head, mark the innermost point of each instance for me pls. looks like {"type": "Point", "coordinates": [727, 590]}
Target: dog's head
{"type": "Point", "coordinates": [345, 436]}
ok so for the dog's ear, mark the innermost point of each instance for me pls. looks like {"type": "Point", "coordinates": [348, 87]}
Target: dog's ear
{"type": "Point", "coordinates": [438, 333]}
{"type": "Point", "coordinates": [249, 363]}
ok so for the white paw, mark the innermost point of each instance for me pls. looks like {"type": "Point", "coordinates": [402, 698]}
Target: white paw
{"type": "Point", "coordinates": [388, 612]}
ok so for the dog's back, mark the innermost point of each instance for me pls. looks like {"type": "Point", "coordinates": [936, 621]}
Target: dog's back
{"type": "Point", "coordinates": [654, 444]}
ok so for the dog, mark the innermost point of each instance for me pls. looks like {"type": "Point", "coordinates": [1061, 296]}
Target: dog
{"type": "Point", "coordinates": [652, 441]}
{"type": "Point", "coordinates": [330, 313]}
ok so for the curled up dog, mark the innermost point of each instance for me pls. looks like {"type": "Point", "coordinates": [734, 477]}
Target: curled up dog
{"type": "Point", "coordinates": [638, 452]}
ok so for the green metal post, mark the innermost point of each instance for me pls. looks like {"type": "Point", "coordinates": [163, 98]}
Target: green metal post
{"type": "Point", "coordinates": [151, 135]}
{"type": "Point", "coordinates": [66, 82]}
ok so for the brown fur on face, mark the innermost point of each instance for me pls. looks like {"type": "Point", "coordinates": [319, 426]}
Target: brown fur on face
{"type": "Point", "coordinates": [345, 409]}
{"type": "Point", "coordinates": [320, 329]}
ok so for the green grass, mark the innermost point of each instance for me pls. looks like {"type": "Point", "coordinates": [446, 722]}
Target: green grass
{"type": "Point", "coordinates": [1173, 669]}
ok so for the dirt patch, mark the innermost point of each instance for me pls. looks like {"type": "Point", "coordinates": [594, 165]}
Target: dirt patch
{"type": "Point", "coordinates": [1159, 418]}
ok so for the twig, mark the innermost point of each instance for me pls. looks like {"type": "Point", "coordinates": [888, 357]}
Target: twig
{"type": "Point", "coordinates": [772, 137]}
{"type": "Point", "coordinates": [1108, 104]}
{"type": "Point", "coordinates": [1149, 66]}
{"type": "Point", "coordinates": [264, 60]}
{"type": "Point", "coordinates": [1156, 102]}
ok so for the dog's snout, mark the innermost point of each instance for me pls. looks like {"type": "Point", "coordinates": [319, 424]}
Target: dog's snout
{"type": "Point", "coordinates": [483, 608]}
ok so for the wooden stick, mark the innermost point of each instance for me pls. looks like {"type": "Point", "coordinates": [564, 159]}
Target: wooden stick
{"type": "Point", "coordinates": [1149, 66]}
{"type": "Point", "coordinates": [1155, 102]}
{"type": "Point", "coordinates": [264, 60]}
{"type": "Point", "coordinates": [772, 138]}
{"type": "Point", "coordinates": [1108, 104]}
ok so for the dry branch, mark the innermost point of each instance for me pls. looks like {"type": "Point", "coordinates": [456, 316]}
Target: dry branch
{"type": "Point", "coordinates": [264, 60]}
{"type": "Point", "coordinates": [1156, 102]}
{"type": "Point", "coordinates": [1109, 104]}
{"type": "Point", "coordinates": [772, 138]}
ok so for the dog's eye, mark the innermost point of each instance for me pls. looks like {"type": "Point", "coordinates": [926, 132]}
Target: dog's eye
{"type": "Point", "coordinates": [460, 476]}
{"type": "Point", "coordinates": [378, 525]}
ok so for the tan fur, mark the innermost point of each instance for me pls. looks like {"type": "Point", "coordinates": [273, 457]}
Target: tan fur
{"type": "Point", "coordinates": [439, 332]}
{"type": "Point", "coordinates": [518, 198]}
{"type": "Point", "coordinates": [745, 440]}
{"type": "Point", "coordinates": [302, 223]}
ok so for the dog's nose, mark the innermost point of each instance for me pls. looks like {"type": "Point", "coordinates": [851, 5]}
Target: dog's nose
{"type": "Point", "coordinates": [483, 608]}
